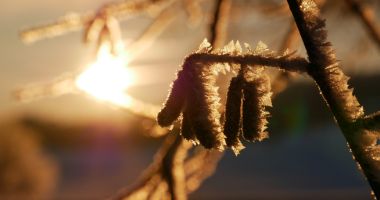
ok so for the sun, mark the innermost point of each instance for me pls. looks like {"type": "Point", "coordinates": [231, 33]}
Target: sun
{"type": "Point", "coordinates": [107, 78]}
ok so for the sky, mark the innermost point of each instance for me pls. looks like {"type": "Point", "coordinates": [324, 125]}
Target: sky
{"type": "Point", "coordinates": [155, 68]}
{"type": "Point", "coordinates": [22, 64]}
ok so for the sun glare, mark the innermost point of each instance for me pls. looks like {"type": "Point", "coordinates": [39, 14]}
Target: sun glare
{"type": "Point", "coordinates": [107, 78]}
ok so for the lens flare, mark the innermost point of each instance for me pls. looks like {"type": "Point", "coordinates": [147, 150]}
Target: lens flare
{"type": "Point", "coordinates": [107, 78]}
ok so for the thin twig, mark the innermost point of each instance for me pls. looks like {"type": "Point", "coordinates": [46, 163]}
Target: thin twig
{"type": "Point", "coordinates": [167, 167]}
{"type": "Point", "coordinates": [284, 77]}
{"type": "Point", "coordinates": [160, 23]}
{"type": "Point", "coordinates": [199, 167]}
{"type": "Point", "coordinates": [367, 16]}
{"type": "Point", "coordinates": [73, 21]}
{"type": "Point", "coordinates": [173, 168]}
{"type": "Point", "coordinates": [193, 11]}
{"type": "Point", "coordinates": [218, 26]}
{"type": "Point", "coordinates": [286, 62]}
{"type": "Point", "coordinates": [291, 38]}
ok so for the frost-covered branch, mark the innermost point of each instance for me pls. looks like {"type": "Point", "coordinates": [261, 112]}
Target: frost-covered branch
{"type": "Point", "coordinates": [194, 94]}
{"type": "Point", "coordinates": [333, 84]}
{"type": "Point", "coordinates": [165, 177]}
{"type": "Point", "coordinates": [74, 21]}
{"type": "Point", "coordinates": [199, 167]}
{"type": "Point", "coordinates": [285, 62]}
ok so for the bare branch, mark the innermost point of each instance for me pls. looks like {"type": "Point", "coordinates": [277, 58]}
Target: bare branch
{"type": "Point", "coordinates": [199, 167]}
{"type": "Point", "coordinates": [333, 85]}
{"type": "Point", "coordinates": [284, 77]}
{"type": "Point", "coordinates": [367, 16]}
{"type": "Point", "coordinates": [173, 169]}
{"type": "Point", "coordinates": [218, 27]}
{"type": "Point", "coordinates": [160, 23]}
{"type": "Point", "coordinates": [165, 176]}
{"type": "Point", "coordinates": [286, 62]}
{"type": "Point", "coordinates": [193, 11]}
{"type": "Point", "coordinates": [73, 21]}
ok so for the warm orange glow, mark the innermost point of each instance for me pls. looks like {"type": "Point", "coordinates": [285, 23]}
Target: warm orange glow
{"type": "Point", "coordinates": [107, 78]}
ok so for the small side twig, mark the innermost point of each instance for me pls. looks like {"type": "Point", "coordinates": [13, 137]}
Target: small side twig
{"type": "Point", "coordinates": [74, 21]}
{"type": "Point", "coordinates": [159, 24]}
{"type": "Point", "coordinates": [165, 176]}
{"type": "Point", "coordinates": [284, 77]}
{"type": "Point", "coordinates": [218, 26]}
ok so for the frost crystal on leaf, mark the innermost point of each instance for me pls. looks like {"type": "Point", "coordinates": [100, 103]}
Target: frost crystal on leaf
{"type": "Point", "coordinates": [204, 47]}
{"type": "Point", "coordinates": [261, 48]}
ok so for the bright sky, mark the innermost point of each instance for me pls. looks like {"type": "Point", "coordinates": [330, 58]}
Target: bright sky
{"type": "Point", "coordinates": [44, 60]}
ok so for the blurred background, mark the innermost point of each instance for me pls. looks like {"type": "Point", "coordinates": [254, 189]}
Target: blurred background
{"type": "Point", "coordinates": [75, 146]}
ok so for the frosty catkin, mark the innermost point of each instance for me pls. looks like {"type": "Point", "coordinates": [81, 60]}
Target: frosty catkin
{"type": "Point", "coordinates": [233, 114]}
{"type": "Point", "coordinates": [256, 92]}
{"type": "Point", "coordinates": [203, 105]}
{"type": "Point", "coordinates": [175, 101]}
{"type": "Point", "coordinates": [187, 130]}
{"type": "Point", "coordinates": [195, 95]}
